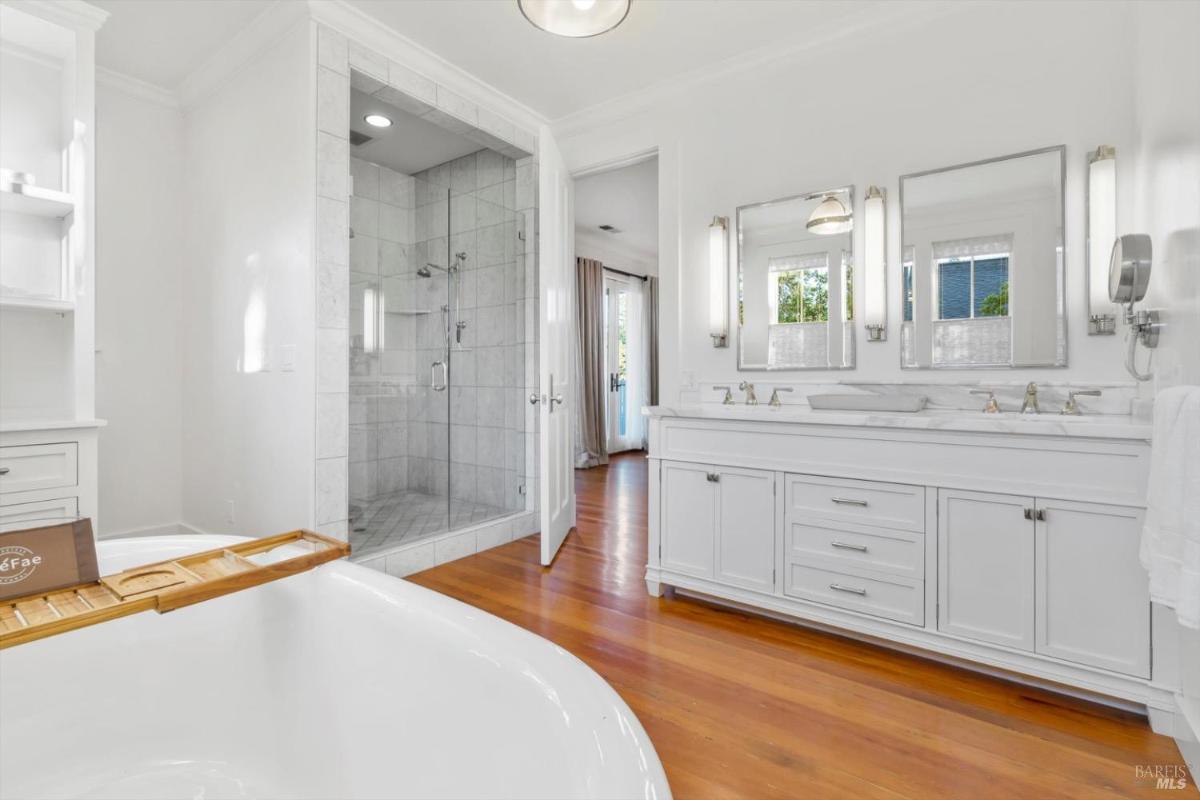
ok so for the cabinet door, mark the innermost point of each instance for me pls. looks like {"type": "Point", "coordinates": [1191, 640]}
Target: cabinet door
{"type": "Point", "coordinates": [986, 567]}
{"type": "Point", "coordinates": [1093, 596]}
{"type": "Point", "coordinates": [689, 518]}
{"type": "Point", "coordinates": [746, 528]}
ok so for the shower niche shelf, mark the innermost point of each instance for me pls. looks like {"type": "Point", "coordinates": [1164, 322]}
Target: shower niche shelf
{"type": "Point", "coordinates": [38, 304]}
{"type": "Point", "coordinates": [163, 586]}
{"type": "Point", "coordinates": [36, 201]}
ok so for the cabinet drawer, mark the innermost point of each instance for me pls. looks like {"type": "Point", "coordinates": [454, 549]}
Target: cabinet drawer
{"type": "Point", "coordinates": [899, 599]}
{"type": "Point", "coordinates": [886, 505]}
{"type": "Point", "coordinates": [34, 515]}
{"type": "Point", "coordinates": [25, 468]}
{"type": "Point", "coordinates": [857, 547]}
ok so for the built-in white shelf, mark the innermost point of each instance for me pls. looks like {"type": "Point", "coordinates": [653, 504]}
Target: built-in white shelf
{"type": "Point", "coordinates": [36, 201]}
{"type": "Point", "coordinates": [38, 304]}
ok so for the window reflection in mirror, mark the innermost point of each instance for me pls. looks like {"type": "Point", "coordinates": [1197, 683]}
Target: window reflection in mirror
{"type": "Point", "coordinates": [795, 285]}
{"type": "Point", "coordinates": [982, 264]}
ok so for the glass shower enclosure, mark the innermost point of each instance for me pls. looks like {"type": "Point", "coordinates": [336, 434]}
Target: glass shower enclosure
{"type": "Point", "coordinates": [437, 350]}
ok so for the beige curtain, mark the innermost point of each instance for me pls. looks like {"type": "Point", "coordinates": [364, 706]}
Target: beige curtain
{"type": "Point", "coordinates": [589, 316]}
{"type": "Point", "coordinates": [652, 335]}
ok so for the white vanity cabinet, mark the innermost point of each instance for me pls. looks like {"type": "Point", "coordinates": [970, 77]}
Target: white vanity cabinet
{"type": "Point", "coordinates": [1012, 544]}
{"type": "Point", "coordinates": [1091, 589]}
{"type": "Point", "coordinates": [719, 522]}
{"type": "Point", "coordinates": [986, 567]}
{"type": "Point", "coordinates": [1055, 577]}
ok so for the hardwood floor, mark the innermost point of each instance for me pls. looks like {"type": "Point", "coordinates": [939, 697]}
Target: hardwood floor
{"type": "Point", "coordinates": [740, 706]}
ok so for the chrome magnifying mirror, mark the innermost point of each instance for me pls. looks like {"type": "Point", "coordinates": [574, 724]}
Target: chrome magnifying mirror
{"type": "Point", "coordinates": [1128, 280]}
{"type": "Point", "coordinates": [1129, 268]}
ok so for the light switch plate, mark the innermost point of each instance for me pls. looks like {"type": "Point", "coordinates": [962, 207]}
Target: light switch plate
{"type": "Point", "coordinates": [287, 357]}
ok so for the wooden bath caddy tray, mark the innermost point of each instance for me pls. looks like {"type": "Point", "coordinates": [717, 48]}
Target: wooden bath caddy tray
{"type": "Point", "coordinates": [163, 586]}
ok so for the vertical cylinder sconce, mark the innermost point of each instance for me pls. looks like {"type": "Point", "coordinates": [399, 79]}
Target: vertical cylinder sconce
{"type": "Point", "coordinates": [875, 261]}
{"type": "Point", "coordinates": [1101, 233]}
{"type": "Point", "coordinates": [718, 281]}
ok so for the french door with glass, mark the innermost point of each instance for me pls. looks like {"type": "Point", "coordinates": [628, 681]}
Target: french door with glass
{"type": "Point", "coordinates": [620, 296]}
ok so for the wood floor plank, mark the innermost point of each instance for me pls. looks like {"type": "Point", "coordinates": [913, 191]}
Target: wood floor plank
{"type": "Point", "coordinates": [740, 706]}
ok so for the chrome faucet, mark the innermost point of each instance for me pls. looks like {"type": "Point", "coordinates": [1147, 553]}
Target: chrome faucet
{"type": "Point", "coordinates": [748, 388]}
{"type": "Point", "coordinates": [1071, 409]}
{"type": "Point", "coordinates": [775, 402]}
{"type": "Point", "coordinates": [728, 400]}
{"type": "Point", "coordinates": [1030, 404]}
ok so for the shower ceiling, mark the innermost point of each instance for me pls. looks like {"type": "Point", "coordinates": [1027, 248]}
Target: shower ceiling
{"type": "Point", "coordinates": [410, 144]}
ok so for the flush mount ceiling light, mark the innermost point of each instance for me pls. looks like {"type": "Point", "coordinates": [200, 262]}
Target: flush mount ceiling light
{"type": "Point", "coordinates": [830, 216]}
{"type": "Point", "coordinates": [575, 18]}
{"type": "Point", "coordinates": [378, 120]}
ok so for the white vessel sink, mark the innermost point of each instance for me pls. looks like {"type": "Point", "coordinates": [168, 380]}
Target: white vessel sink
{"type": "Point", "coordinates": [867, 402]}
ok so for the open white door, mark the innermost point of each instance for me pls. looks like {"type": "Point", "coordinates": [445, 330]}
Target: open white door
{"type": "Point", "coordinates": [556, 271]}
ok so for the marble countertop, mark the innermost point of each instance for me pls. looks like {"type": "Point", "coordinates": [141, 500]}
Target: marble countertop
{"type": "Point", "coordinates": [1100, 426]}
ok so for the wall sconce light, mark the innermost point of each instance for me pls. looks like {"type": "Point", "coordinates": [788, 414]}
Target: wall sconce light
{"type": "Point", "coordinates": [875, 260]}
{"type": "Point", "coordinates": [1101, 233]}
{"type": "Point", "coordinates": [718, 281]}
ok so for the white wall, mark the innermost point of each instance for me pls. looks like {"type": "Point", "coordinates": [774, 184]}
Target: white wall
{"type": "Point", "coordinates": [140, 262]}
{"type": "Point", "coordinates": [249, 292]}
{"type": "Point", "coordinates": [924, 88]}
{"type": "Point", "coordinates": [1167, 202]}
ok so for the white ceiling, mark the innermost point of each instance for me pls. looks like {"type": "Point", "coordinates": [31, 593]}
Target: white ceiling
{"type": "Point", "coordinates": [163, 41]}
{"type": "Point", "coordinates": [411, 144]}
{"type": "Point", "coordinates": [625, 198]}
{"type": "Point", "coordinates": [556, 76]}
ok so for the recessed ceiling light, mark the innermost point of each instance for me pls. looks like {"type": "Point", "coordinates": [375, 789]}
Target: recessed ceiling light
{"type": "Point", "coordinates": [575, 18]}
{"type": "Point", "coordinates": [378, 120]}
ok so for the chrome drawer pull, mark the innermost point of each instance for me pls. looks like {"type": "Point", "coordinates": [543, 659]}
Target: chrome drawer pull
{"type": "Point", "coordinates": [837, 587]}
{"type": "Point", "coordinates": [861, 548]}
{"type": "Point", "coordinates": [846, 501]}
{"type": "Point", "coordinates": [3, 470]}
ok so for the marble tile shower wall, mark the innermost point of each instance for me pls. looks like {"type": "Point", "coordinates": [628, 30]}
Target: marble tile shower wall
{"type": "Point", "coordinates": [340, 64]}
{"type": "Point", "coordinates": [382, 371]}
{"type": "Point", "coordinates": [471, 440]}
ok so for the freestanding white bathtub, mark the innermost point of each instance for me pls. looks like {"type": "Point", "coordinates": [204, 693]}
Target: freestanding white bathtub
{"type": "Point", "coordinates": [337, 683]}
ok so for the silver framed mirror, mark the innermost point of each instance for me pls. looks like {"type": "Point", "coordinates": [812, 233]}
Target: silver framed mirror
{"type": "Point", "coordinates": [795, 282]}
{"type": "Point", "coordinates": [983, 261]}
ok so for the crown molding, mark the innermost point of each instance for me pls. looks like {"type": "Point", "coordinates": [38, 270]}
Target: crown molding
{"type": "Point", "coordinates": [68, 13]}
{"type": "Point", "coordinates": [135, 87]}
{"type": "Point", "coordinates": [259, 36]}
{"type": "Point", "coordinates": [638, 257]}
{"type": "Point", "coordinates": [369, 32]}
{"type": "Point", "coordinates": [885, 16]}
{"type": "Point", "coordinates": [30, 54]}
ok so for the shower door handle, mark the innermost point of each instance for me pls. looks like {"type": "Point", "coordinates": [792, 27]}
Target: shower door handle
{"type": "Point", "coordinates": [433, 376]}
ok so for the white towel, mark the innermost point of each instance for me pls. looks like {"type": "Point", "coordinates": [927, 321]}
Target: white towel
{"type": "Point", "coordinates": [1170, 548]}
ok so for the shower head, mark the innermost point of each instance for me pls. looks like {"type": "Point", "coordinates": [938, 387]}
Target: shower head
{"type": "Point", "coordinates": [427, 270]}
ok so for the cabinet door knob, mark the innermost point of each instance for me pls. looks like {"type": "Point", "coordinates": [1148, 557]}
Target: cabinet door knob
{"type": "Point", "coordinates": [1029, 513]}
{"type": "Point", "coordinates": [3, 470]}
{"type": "Point", "coordinates": [714, 477]}
{"type": "Point", "coordinates": [1040, 516]}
